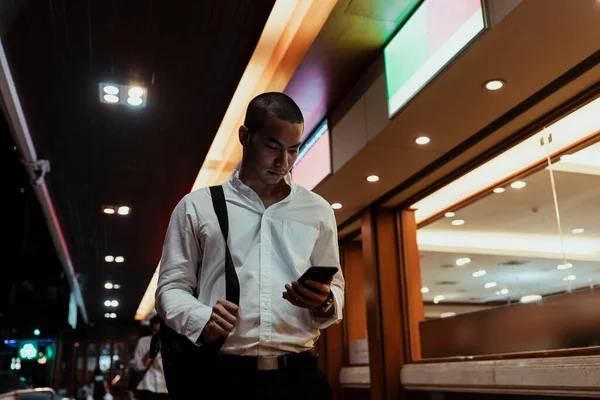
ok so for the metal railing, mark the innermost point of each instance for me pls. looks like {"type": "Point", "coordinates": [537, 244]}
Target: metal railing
{"type": "Point", "coordinates": [24, 394]}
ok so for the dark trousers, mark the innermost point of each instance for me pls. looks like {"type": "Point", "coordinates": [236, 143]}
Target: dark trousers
{"type": "Point", "coordinates": [148, 395]}
{"type": "Point", "coordinates": [290, 384]}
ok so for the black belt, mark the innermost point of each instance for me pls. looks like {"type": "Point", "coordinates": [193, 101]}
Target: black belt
{"type": "Point", "coordinates": [306, 359]}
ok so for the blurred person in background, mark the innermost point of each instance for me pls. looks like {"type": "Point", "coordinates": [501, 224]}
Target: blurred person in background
{"type": "Point", "coordinates": [151, 377]}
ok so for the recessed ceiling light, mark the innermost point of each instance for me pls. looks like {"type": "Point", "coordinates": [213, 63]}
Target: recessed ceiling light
{"type": "Point", "coordinates": [135, 92]}
{"type": "Point", "coordinates": [490, 285]}
{"type": "Point", "coordinates": [134, 101]}
{"type": "Point", "coordinates": [123, 210]}
{"type": "Point", "coordinates": [499, 190]}
{"type": "Point", "coordinates": [438, 298]}
{"type": "Point", "coordinates": [569, 278]}
{"type": "Point", "coordinates": [111, 98]}
{"type": "Point", "coordinates": [530, 298]}
{"type": "Point", "coordinates": [422, 140]}
{"type": "Point", "coordinates": [447, 314]}
{"type": "Point", "coordinates": [577, 231]}
{"type": "Point", "coordinates": [108, 210]}
{"type": "Point", "coordinates": [109, 259]}
{"type": "Point", "coordinates": [458, 222]}
{"type": "Point", "coordinates": [336, 206]}
{"type": "Point", "coordinates": [504, 291]}
{"type": "Point", "coordinates": [119, 259]}
{"type": "Point", "coordinates": [372, 178]}
{"type": "Point", "coordinates": [107, 303]}
{"type": "Point", "coordinates": [463, 261]}
{"type": "Point", "coordinates": [113, 315]}
{"type": "Point", "coordinates": [518, 185]}
{"type": "Point", "coordinates": [449, 214]}
{"type": "Point", "coordinates": [425, 289]}
{"type": "Point", "coordinates": [110, 89]}
{"type": "Point", "coordinates": [479, 273]}
{"type": "Point", "coordinates": [564, 266]}
{"type": "Point", "coordinates": [116, 286]}
{"type": "Point", "coordinates": [106, 315]}
{"type": "Point", "coordinates": [108, 285]}
{"type": "Point", "coordinates": [114, 303]}
{"type": "Point", "coordinates": [494, 84]}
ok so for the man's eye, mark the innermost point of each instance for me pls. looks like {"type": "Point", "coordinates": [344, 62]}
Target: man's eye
{"type": "Point", "coordinates": [293, 151]}
{"type": "Point", "coordinates": [271, 147]}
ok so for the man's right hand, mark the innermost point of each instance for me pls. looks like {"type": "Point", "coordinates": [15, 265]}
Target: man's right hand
{"type": "Point", "coordinates": [221, 322]}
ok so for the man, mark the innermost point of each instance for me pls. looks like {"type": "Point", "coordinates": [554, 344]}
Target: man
{"type": "Point", "coordinates": [277, 230]}
{"type": "Point", "coordinates": [152, 384]}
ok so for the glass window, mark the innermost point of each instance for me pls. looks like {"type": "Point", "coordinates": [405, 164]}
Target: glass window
{"type": "Point", "coordinates": [510, 249]}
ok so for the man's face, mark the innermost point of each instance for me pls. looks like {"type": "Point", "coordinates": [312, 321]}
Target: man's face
{"type": "Point", "coordinates": [272, 151]}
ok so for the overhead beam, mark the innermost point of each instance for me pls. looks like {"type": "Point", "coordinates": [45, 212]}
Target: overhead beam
{"type": "Point", "coordinates": [36, 170]}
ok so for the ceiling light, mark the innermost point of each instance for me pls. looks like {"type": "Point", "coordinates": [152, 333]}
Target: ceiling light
{"type": "Point", "coordinates": [109, 259]}
{"type": "Point", "coordinates": [108, 210]}
{"type": "Point", "coordinates": [504, 291]}
{"type": "Point", "coordinates": [123, 210]}
{"type": "Point", "coordinates": [569, 278]}
{"type": "Point", "coordinates": [449, 214]}
{"type": "Point", "coordinates": [577, 231]}
{"type": "Point", "coordinates": [134, 101]}
{"type": "Point", "coordinates": [114, 303]}
{"type": "Point", "coordinates": [111, 98]}
{"type": "Point", "coordinates": [422, 140]}
{"type": "Point", "coordinates": [479, 273]}
{"type": "Point", "coordinates": [438, 298]}
{"type": "Point", "coordinates": [116, 286]}
{"type": "Point", "coordinates": [518, 185]}
{"type": "Point", "coordinates": [336, 206]}
{"type": "Point", "coordinates": [136, 92]}
{"type": "Point", "coordinates": [499, 190]}
{"type": "Point", "coordinates": [447, 314]}
{"type": "Point", "coordinates": [108, 285]}
{"type": "Point", "coordinates": [494, 84]}
{"type": "Point", "coordinates": [463, 261]}
{"type": "Point", "coordinates": [530, 298]}
{"type": "Point", "coordinates": [372, 178]}
{"type": "Point", "coordinates": [564, 266]}
{"type": "Point", "coordinates": [107, 303]}
{"type": "Point", "coordinates": [490, 285]}
{"type": "Point", "coordinates": [425, 289]}
{"type": "Point", "coordinates": [113, 315]}
{"type": "Point", "coordinates": [119, 259]}
{"type": "Point", "coordinates": [110, 89]}
{"type": "Point", "coordinates": [458, 222]}
{"type": "Point", "coordinates": [106, 315]}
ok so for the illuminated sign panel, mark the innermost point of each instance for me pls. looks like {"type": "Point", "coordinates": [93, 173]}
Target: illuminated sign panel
{"type": "Point", "coordinates": [314, 161]}
{"type": "Point", "coordinates": [436, 32]}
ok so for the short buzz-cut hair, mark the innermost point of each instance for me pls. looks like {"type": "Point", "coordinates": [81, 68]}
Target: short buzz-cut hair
{"type": "Point", "coordinates": [274, 104]}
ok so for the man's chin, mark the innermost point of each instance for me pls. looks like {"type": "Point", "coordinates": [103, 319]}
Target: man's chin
{"type": "Point", "coordinates": [272, 178]}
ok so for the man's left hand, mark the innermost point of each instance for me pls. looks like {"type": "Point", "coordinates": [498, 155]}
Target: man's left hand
{"type": "Point", "coordinates": [311, 295]}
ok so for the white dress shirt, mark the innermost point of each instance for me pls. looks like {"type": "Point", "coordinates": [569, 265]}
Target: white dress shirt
{"type": "Point", "coordinates": [154, 379]}
{"type": "Point", "coordinates": [270, 248]}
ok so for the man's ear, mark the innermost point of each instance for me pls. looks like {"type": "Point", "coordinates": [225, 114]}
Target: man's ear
{"type": "Point", "coordinates": [244, 136]}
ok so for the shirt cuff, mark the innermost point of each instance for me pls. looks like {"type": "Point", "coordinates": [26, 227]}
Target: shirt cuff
{"type": "Point", "coordinates": [196, 323]}
{"type": "Point", "coordinates": [336, 317]}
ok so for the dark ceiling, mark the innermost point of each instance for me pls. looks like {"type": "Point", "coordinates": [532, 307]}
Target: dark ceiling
{"type": "Point", "coordinates": [147, 158]}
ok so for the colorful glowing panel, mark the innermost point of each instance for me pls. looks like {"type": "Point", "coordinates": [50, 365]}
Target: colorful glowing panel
{"type": "Point", "coordinates": [314, 161]}
{"type": "Point", "coordinates": [436, 32]}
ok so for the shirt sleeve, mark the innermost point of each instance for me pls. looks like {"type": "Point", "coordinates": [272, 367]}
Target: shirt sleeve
{"type": "Point", "coordinates": [177, 277]}
{"type": "Point", "coordinates": [326, 252]}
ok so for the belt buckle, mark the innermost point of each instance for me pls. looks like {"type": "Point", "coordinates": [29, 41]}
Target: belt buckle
{"type": "Point", "coordinates": [267, 363]}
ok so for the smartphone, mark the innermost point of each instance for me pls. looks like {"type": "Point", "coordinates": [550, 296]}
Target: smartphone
{"type": "Point", "coordinates": [317, 274]}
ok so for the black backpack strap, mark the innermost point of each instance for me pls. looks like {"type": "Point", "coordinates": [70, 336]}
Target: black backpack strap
{"type": "Point", "coordinates": [232, 284]}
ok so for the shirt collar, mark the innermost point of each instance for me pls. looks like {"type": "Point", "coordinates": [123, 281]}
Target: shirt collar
{"type": "Point", "coordinates": [237, 183]}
